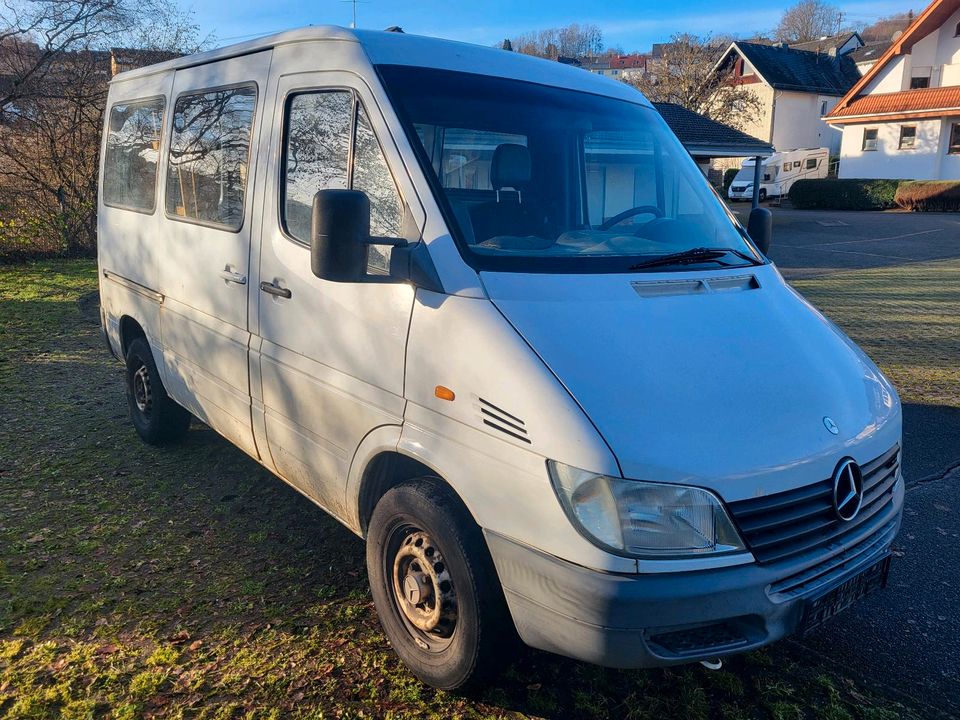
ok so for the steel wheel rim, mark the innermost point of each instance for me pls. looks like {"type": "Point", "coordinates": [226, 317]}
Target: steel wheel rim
{"type": "Point", "coordinates": [421, 588]}
{"type": "Point", "coordinates": [142, 394]}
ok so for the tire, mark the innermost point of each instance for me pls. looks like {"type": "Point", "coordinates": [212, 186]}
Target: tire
{"type": "Point", "coordinates": [157, 418]}
{"type": "Point", "coordinates": [473, 627]}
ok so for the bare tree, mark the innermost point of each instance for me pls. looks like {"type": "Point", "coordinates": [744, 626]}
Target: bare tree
{"type": "Point", "coordinates": [55, 63]}
{"type": "Point", "coordinates": [571, 41]}
{"type": "Point", "coordinates": [808, 20]}
{"type": "Point", "coordinates": [685, 74]}
{"type": "Point", "coordinates": [886, 27]}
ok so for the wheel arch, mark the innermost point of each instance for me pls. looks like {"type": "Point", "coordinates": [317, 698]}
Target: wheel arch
{"type": "Point", "coordinates": [130, 329]}
{"type": "Point", "coordinates": [385, 467]}
{"type": "Point", "coordinates": [385, 471]}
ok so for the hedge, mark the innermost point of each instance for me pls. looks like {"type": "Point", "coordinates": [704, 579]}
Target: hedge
{"type": "Point", "coordinates": [831, 194]}
{"type": "Point", "coordinates": [929, 195]}
{"type": "Point", "coordinates": [728, 175]}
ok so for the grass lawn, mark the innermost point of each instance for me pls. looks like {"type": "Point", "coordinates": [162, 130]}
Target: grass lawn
{"type": "Point", "coordinates": [906, 318]}
{"type": "Point", "coordinates": [188, 582]}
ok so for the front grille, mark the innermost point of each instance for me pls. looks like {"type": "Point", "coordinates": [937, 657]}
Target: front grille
{"type": "Point", "coordinates": [738, 188]}
{"type": "Point", "coordinates": [779, 526]}
{"type": "Point", "coordinates": [834, 567]}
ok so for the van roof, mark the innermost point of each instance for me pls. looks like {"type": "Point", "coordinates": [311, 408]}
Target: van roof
{"type": "Point", "coordinates": [398, 48]}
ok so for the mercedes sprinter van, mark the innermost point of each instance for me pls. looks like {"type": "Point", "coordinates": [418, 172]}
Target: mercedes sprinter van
{"type": "Point", "coordinates": [485, 311]}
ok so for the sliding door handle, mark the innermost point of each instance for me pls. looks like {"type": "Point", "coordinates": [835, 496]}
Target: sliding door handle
{"type": "Point", "coordinates": [233, 277]}
{"type": "Point", "coordinates": [275, 290]}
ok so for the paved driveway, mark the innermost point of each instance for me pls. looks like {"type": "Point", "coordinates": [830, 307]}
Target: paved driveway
{"type": "Point", "coordinates": [906, 638]}
{"type": "Point", "coordinates": [812, 242]}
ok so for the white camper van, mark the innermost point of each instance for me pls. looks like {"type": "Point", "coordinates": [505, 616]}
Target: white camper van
{"type": "Point", "coordinates": [485, 311]}
{"type": "Point", "coordinates": [779, 172]}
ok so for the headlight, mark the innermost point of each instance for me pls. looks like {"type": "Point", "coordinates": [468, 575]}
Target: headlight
{"type": "Point", "coordinates": [644, 519]}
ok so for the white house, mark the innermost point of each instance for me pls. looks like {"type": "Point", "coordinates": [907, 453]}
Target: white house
{"type": "Point", "coordinates": [796, 88]}
{"type": "Point", "coordinates": [902, 119]}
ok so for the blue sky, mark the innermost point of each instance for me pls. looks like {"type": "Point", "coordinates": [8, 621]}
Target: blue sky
{"type": "Point", "coordinates": [632, 25]}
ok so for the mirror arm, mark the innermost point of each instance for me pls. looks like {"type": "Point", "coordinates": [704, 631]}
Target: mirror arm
{"type": "Point", "coordinates": [386, 241]}
{"type": "Point", "coordinates": [412, 263]}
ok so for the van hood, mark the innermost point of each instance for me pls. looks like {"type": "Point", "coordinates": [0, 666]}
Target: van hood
{"type": "Point", "coordinates": [728, 380]}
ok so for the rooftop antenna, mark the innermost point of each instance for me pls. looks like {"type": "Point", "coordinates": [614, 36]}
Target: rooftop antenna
{"type": "Point", "coordinates": [354, 3]}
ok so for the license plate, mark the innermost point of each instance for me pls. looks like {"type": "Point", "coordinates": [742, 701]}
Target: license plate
{"type": "Point", "coordinates": [819, 610]}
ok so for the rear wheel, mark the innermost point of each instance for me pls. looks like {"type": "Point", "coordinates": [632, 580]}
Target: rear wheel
{"type": "Point", "coordinates": [435, 588]}
{"type": "Point", "coordinates": [158, 419]}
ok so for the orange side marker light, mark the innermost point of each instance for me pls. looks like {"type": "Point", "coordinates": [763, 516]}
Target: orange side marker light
{"type": "Point", "coordinates": [444, 393]}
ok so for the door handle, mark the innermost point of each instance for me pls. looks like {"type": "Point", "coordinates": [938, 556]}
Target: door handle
{"type": "Point", "coordinates": [275, 290]}
{"type": "Point", "coordinates": [233, 277]}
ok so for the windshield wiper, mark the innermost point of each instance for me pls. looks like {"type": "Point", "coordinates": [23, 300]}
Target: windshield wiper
{"type": "Point", "coordinates": [694, 255]}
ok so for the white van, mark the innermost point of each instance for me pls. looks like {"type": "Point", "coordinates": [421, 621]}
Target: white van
{"type": "Point", "coordinates": [780, 171]}
{"type": "Point", "coordinates": [485, 311]}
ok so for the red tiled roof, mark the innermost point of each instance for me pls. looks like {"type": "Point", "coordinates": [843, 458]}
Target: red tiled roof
{"type": "Point", "coordinates": [931, 19]}
{"type": "Point", "coordinates": [906, 102]}
{"type": "Point", "coordinates": [628, 61]}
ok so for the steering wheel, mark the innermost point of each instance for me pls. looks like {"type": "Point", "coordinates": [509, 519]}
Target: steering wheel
{"type": "Point", "coordinates": [639, 210]}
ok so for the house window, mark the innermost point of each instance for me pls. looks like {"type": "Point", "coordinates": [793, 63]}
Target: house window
{"type": "Point", "coordinates": [869, 139]}
{"type": "Point", "coordinates": [823, 108]}
{"type": "Point", "coordinates": [956, 32]}
{"type": "Point", "coordinates": [954, 148]}
{"type": "Point", "coordinates": [908, 136]}
{"type": "Point", "coordinates": [919, 82]}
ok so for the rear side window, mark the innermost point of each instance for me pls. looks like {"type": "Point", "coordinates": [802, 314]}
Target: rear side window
{"type": "Point", "coordinates": [811, 164]}
{"type": "Point", "coordinates": [209, 152]}
{"type": "Point", "coordinates": [132, 154]}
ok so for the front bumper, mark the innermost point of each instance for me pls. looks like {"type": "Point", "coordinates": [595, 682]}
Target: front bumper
{"type": "Point", "coordinates": [655, 619]}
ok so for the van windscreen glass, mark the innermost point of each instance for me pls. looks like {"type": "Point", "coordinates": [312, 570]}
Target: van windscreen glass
{"type": "Point", "coordinates": [539, 178]}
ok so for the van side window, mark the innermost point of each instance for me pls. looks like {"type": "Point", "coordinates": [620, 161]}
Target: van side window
{"type": "Point", "coordinates": [317, 157]}
{"type": "Point", "coordinates": [131, 155]}
{"type": "Point", "coordinates": [316, 154]}
{"type": "Point", "coordinates": [372, 176]}
{"type": "Point", "coordinates": [209, 150]}
{"type": "Point", "coordinates": [811, 164]}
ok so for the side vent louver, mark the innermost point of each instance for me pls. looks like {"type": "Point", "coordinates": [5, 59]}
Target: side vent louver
{"type": "Point", "coordinates": [503, 421]}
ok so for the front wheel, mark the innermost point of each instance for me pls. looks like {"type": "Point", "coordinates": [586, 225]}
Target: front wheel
{"type": "Point", "coordinates": [435, 588]}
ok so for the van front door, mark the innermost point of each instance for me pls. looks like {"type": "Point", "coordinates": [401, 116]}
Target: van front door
{"type": "Point", "coordinates": [204, 261]}
{"type": "Point", "coordinates": [332, 354]}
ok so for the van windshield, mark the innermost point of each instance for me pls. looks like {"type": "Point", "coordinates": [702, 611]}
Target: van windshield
{"type": "Point", "coordinates": [539, 178]}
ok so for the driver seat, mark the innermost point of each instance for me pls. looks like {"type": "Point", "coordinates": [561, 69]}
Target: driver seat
{"type": "Point", "coordinates": [510, 214]}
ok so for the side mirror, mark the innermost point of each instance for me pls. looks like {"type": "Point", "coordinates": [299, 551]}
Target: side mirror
{"type": "Point", "coordinates": [340, 235]}
{"type": "Point", "coordinates": [760, 228]}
